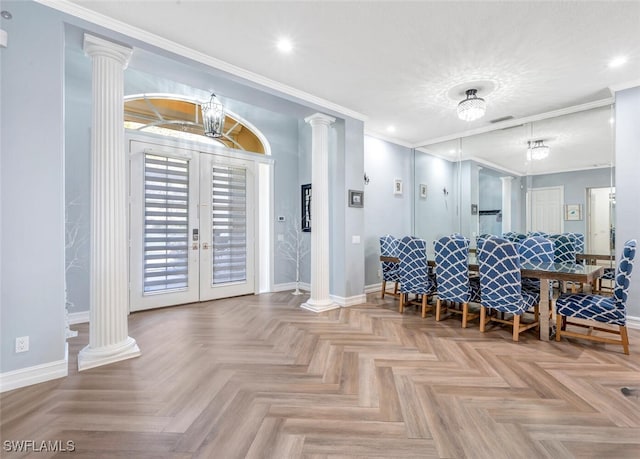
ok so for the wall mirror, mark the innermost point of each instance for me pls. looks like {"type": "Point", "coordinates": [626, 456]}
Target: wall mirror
{"type": "Point", "coordinates": [508, 180]}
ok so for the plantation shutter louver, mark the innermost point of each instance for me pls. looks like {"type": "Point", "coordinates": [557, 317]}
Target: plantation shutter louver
{"type": "Point", "coordinates": [166, 223]}
{"type": "Point", "coordinates": [229, 224]}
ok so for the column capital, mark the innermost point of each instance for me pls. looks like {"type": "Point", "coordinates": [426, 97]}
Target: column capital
{"type": "Point", "coordinates": [507, 178]}
{"type": "Point", "coordinates": [96, 46]}
{"type": "Point", "coordinates": [319, 119]}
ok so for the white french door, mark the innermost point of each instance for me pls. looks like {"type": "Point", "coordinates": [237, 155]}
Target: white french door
{"type": "Point", "coordinates": [227, 227]}
{"type": "Point", "coordinates": [191, 226]}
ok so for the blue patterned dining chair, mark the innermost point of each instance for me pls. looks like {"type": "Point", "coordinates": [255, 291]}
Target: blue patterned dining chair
{"type": "Point", "coordinates": [501, 287]}
{"type": "Point", "coordinates": [563, 249]}
{"type": "Point", "coordinates": [390, 271]}
{"type": "Point", "coordinates": [481, 238]}
{"type": "Point", "coordinates": [537, 233]}
{"type": "Point", "coordinates": [514, 237]}
{"type": "Point", "coordinates": [536, 249]}
{"type": "Point", "coordinates": [414, 272]}
{"type": "Point", "coordinates": [578, 241]}
{"type": "Point", "coordinates": [610, 310]}
{"type": "Point", "coordinates": [452, 276]}
{"type": "Point", "coordinates": [563, 252]}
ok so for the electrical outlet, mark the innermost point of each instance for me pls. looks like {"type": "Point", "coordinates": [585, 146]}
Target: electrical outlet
{"type": "Point", "coordinates": [22, 344]}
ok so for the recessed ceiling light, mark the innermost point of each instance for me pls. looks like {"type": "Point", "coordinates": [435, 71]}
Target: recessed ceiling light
{"type": "Point", "coordinates": [618, 61]}
{"type": "Point", "coordinates": [285, 45]}
{"type": "Point", "coordinates": [391, 129]}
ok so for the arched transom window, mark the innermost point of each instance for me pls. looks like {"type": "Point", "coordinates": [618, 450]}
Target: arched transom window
{"type": "Point", "coordinates": [182, 118]}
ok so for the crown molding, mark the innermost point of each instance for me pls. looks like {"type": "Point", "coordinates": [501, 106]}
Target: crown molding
{"type": "Point", "coordinates": [519, 121]}
{"type": "Point", "coordinates": [155, 40]}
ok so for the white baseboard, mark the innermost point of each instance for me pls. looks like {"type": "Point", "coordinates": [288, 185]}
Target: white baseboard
{"type": "Point", "coordinates": [78, 317]}
{"type": "Point", "coordinates": [290, 286]}
{"type": "Point", "coordinates": [373, 288]}
{"type": "Point", "coordinates": [23, 377]}
{"type": "Point", "coordinates": [350, 300]}
{"type": "Point", "coordinates": [633, 322]}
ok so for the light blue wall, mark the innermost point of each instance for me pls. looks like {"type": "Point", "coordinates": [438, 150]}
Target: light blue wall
{"type": "Point", "coordinates": [32, 187]}
{"type": "Point", "coordinates": [575, 190]}
{"type": "Point", "coordinates": [384, 212]}
{"type": "Point", "coordinates": [350, 168]}
{"type": "Point", "coordinates": [435, 215]}
{"type": "Point", "coordinates": [627, 183]}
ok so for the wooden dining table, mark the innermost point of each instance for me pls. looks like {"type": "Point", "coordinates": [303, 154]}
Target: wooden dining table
{"type": "Point", "coordinates": [576, 272]}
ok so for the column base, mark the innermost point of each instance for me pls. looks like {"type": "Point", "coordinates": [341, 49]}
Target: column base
{"type": "Point", "coordinates": [96, 357]}
{"type": "Point", "coordinates": [319, 306]}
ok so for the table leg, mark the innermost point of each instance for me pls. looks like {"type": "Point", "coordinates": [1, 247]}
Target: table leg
{"type": "Point", "coordinates": [544, 310]}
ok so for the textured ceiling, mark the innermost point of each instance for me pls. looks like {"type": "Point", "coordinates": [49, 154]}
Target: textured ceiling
{"type": "Point", "coordinates": [407, 64]}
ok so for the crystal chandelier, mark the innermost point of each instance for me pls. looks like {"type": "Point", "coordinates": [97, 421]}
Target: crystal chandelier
{"type": "Point", "coordinates": [537, 150]}
{"type": "Point", "coordinates": [473, 107]}
{"type": "Point", "coordinates": [213, 117]}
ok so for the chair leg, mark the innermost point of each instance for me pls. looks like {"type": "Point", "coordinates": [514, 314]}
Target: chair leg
{"type": "Point", "coordinates": [483, 315]}
{"type": "Point", "coordinates": [465, 311]}
{"type": "Point", "coordinates": [558, 326]}
{"type": "Point", "coordinates": [401, 305]}
{"type": "Point", "coordinates": [425, 297]}
{"type": "Point", "coordinates": [516, 327]}
{"type": "Point", "coordinates": [625, 339]}
{"type": "Point", "coordinates": [438, 302]}
{"type": "Point", "coordinates": [395, 288]}
{"type": "Point", "coordinates": [384, 287]}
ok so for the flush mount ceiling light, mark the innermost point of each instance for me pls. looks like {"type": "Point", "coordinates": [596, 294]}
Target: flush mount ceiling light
{"type": "Point", "coordinates": [473, 107]}
{"type": "Point", "coordinates": [213, 117]}
{"type": "Point", "coordinates": [537, 150]}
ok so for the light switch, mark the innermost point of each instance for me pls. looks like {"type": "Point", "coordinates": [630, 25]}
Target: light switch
{"type": "Point", "coordinates": [355, 239]}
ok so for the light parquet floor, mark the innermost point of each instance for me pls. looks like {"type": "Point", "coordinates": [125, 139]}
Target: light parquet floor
{"type": "Point", "coordinates": [259, 377]}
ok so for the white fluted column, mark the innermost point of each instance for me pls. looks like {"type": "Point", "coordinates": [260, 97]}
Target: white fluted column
{"type": "Point", "coordinates": [506, 203]}
{"type": "Point", "coordinates": [108, 329]}
{"type": "Point", "coordinates": [320, 299]}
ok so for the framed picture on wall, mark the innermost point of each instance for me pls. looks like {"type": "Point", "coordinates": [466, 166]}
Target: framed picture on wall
{"type": "Point", "coordinates": [397, 186]}
{"type": "Point", "coordinates": [423, 191]}
{"type": "Point", "coordinates": [573, 212]}
{"type": "Point", "coordinates": [356, 198]}
{"type": "Point", "coordinates": [306, 207]}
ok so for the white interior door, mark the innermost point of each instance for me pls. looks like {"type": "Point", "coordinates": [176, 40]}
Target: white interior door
{"type": "Point", "coordinates": [191, 226]}
{"type": "Point", "coordinates": [545, 210]}
{"type": "Point", "coordinates": [598, 238]}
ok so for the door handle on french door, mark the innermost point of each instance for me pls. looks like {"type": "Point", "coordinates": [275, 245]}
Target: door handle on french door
{"type": "Point", "coordinates": [194, 246]}
{"type": "Point", "coordinates": [205, 246]}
